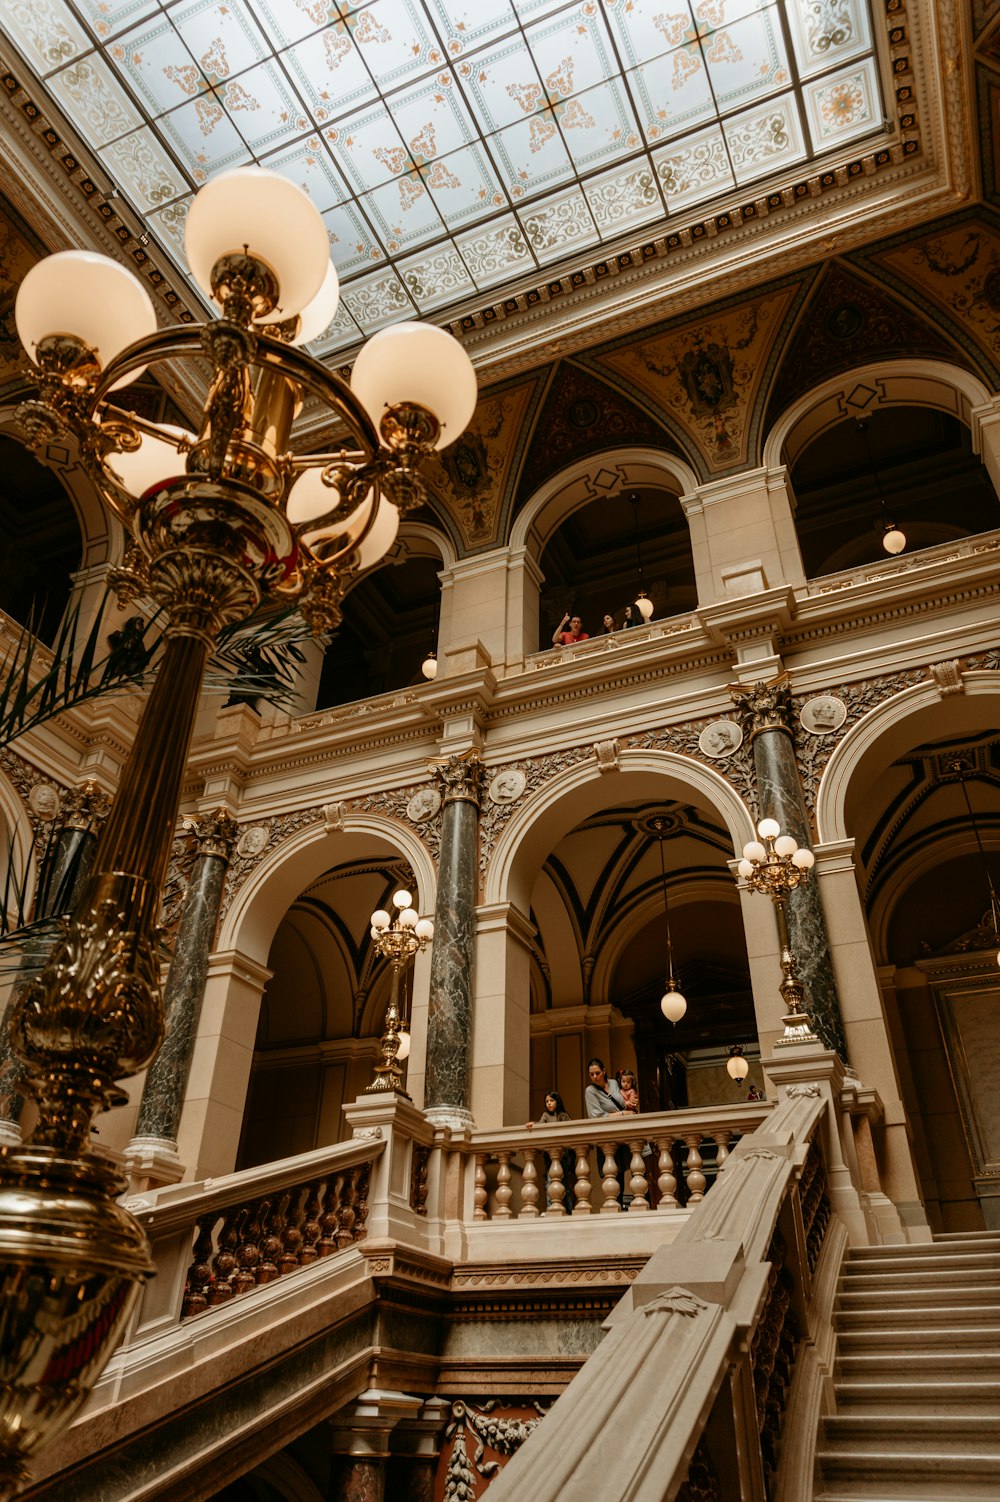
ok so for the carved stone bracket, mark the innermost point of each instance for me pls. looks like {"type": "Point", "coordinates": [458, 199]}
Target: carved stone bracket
{"type": "Point", "coordinates": [676, 1300]}
{"type": "Point", "coordinates": [608, 757]}
{"type": "Point", "coordinates": [806, 1090]}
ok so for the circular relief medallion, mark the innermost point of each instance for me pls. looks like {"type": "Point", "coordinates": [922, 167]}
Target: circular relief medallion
{"type": "Point", "coordinates": [720, 739]}
{"type": "Point", "coordinates": [43, 800]}
{"type": "Point", "coordinates": [423, 805]}
{"type": "Point", "coordinates": [252, 840]}
{"type": "Point", "coordinates": [506, 786]}
{"type": "Point", "coordinates": [823, 715]}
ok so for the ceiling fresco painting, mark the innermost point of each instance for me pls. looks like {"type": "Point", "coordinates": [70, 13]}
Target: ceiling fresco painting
{"type": "Point", "coordinates": [477, 472]}
{"type": "Point", "coordinates": [705, 374]}
{"type": "Point", "coordinates": [958, 270]}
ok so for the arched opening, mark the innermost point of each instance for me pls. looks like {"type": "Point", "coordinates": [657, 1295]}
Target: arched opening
{"type": "Point", "coordinates": [591, 562]}
{"type": "Point", "coordinates": [933, 486]}
{"type": "Point", "coordinates": [43, 545]}
{"type": "Point", "coordinates": [923, 804]}
{"type": "Point", "coordinates": [390, 624]}
{"type": "Point", "coordinates": [595, 894]}
{"type": "Point", "coordinates": [322, 1011]}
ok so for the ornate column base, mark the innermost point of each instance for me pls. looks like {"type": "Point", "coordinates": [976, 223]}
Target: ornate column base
{"type": "Point", "coordinates": [152, 1162]}
{"type": "Point", "coordinates": [456, 1117]}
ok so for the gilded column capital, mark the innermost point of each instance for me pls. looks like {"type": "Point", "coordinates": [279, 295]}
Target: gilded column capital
{"type": "Point", "coordinates": [217, 834]}
{"type": "Point", "coordinates": [460, 779]}
{"type": "Point", "coordinates": [763, 706]}
{"type": "Point", "coordinates": [85, 808]}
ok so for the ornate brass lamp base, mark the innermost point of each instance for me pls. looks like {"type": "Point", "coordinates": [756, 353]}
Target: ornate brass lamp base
{"type": "Point", "coordinates": [72, 1262]}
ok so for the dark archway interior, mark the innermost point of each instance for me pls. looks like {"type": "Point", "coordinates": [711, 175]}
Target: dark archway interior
{"type": "Point", "coordinates": [935, 488]}
{"type": "Point", "coordinates": [389, 626]}
{"type": "Point", "coordinates": [590, 564]}
{"type": "Point", "coordinates": [42, 545]}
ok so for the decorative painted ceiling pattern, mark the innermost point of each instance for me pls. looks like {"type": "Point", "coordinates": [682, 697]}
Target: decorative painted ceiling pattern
{"type": "Point", "coordinates": [846, 322]}
{"type": "Point", "coordinates": [475, 473]}
{"type": "Point", "coordinates": [958, 270]}
{"type": "Point", "coordinates": [704, 376]}
{"type": "Point", "coordinates": [17, 256]}
{"type": "Point", "coordinates": [452, 146]}
{"type": "Point", "coordinates": [582, 415]}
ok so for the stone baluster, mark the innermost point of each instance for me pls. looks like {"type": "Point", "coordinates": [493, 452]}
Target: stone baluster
{"type": "Point", "coordinates": [311, 1232]}
{"type": "Point", "coordinates": [224, 1263]}
{"type": "Point", "coordinates": [448, 1080]}
{"type": "Point", "coordinates": [692, 1170]}
{"type": "Point", "coordinates": [152, 1153]}
{"type": "Point", "coordinates": [721, 1140]}
{"type": "Point", "coordinates": [60, 881]}
{"type": "Point", "coordinates": [666, 1181]}
{"type": "Point", "coordinates": [480, 1194]}
{"type": "Point", "coordinates": [529, 1183]}
{"type": "Point", "coordinates": [582, 1188]}
{"type": "Point", "coordinates": [765, 713]}
{"type": "Point", "coordinates": [610, 1187]}
{"type": "Point", "coordinates": [504, 1193]}
{"type": "Point", "coordinates": [556, 1188]}
{"type": "Point", "coordinates": [638, 1183]}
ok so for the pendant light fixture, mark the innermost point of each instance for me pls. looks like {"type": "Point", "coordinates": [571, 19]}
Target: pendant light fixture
{"type": "Point", "coordinates": [643, 603]}
{"type": "Point", "coordinates": [893, 539]}
{"type": "Point", "coordinates": [736, 1065]}
{"type": "Point", "coordinates": [672, 1004]}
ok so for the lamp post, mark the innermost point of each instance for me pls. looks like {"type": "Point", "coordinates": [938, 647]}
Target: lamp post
{"type": "Point", "coordinates": [220, 521]}
{"type": "Point", "coordinates": [398, 938]}
{"type": "Point", "coordinates": [775, 865]}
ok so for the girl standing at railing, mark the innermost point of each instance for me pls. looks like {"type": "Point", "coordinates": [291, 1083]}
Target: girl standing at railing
{"type": "Point", "coordinates": [556, 1111]}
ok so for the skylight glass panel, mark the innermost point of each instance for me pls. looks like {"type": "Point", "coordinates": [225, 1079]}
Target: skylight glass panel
{"type": "Point", "coordinates": [478, 142]}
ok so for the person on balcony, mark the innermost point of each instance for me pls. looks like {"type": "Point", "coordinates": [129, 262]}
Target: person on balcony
{"type": "Point", "coordinates": [556, 1111]}
{"type": "Point", "coordinates": [604, 1098]}
{"type": "Point", "coordinates": [608, 624]}
{"type": "Point", "coordinates": [563, 638]}
{"type": "Point", "coordinates": [629, 1093]}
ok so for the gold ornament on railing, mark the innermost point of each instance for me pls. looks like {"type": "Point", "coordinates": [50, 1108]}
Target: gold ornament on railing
{"type": "Point", "coordinates": [774, 866]}
{"type": "Point", "coordinates": [398, 938]}
{"type": "Point", "coordinates": [219, 520]}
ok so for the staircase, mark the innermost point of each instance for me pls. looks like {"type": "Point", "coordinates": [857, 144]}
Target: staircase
{"type": "Point", "coordinates": [918, 1389]}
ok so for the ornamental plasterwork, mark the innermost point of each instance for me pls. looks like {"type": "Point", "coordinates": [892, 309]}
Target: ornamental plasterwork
{"type": "Point", "coordinates": [495, 1435]}
{"type": "Point", "coordinates": [814, 751]}
{"type": "Point", "coordinates": [392, 804]}
{"type": "Point", "coordinates": [25, 779]}
{"type": "Point", "coordinates": [959, 270]}
{"type": "Point", "coordinates": [477, 470]}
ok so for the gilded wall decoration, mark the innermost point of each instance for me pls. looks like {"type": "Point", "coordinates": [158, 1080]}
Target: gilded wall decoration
{"type": "Point", "coordinates": [706, 375]}
{"type": "Point", "coordinates": [27, 781]}
{"type": "Point", "coordinates": [958, 269]}
{"type": "Point", "coordinates": [479, 1440]}
{"type": "Point", "coordinates": [473, 474]}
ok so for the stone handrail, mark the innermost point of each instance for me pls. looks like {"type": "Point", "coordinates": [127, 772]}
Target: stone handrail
{"type": "Point", "coordinates": [634, 1163]}
{"type": "Point", "coordinates": [710, 1328]}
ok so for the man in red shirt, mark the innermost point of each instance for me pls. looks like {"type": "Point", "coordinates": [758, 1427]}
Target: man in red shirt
{"type": "Point", "coordinates": [563, 638]}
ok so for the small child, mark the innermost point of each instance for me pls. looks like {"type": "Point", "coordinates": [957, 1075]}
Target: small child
{"type": "Point", "coordinates": [630, 1095]}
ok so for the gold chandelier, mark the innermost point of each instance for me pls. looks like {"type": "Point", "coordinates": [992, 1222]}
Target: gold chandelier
{"type": "Point", "coordinates": [220, 520]}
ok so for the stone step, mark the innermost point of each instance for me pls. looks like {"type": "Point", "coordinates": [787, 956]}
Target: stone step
{"type": "Point", "coordinates": [897, 1474]}
{"type": "Point", "coordinates": [897, 1293]}
{"type": "Point", "coordinates": [955, 1241]}
{"type": "Point", "coordinates": [925, 1321]}
{"type": "Point", "coordinates": [856, 1434]}
{"type": "Point", "coordinates": [921, 1395]}
{"type": "Point", "coordinates": [889, 1365]}
{"type": "Point", "coordinates": [975, 1341]}
{"type": "Point", "coordinates": [980, 1266]}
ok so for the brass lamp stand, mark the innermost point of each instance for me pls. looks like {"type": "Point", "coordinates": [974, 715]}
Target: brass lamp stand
{"type": "Point", "coordinates": [398, 939]}
{"type": "Point", "coordinates": [775, 868]}
{"type": "Point", "coordinates": [220, 521]}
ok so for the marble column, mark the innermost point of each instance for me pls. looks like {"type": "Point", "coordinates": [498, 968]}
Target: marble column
{"type": "Point", "coordinates": [60, 881]}
{"type": "Point", "coordinates": [765, 713]}
{"type": "Point", "coordinates": [152, 1153]}
{"type": "Point", "coordinates": [448, 1081]}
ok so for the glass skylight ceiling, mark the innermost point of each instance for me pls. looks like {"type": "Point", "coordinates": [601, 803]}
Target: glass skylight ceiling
{"type": "Point", "coordinates": [453, 145]}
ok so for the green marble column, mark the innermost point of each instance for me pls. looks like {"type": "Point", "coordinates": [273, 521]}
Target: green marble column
{"type": "Point", "coordinates": [765, 713]}
{"type": "Point", "coordinates": [166, 1081]}
{"type": "Point", "coordinates": [60, 881]}
{"type": "Point", "coordinates": [447, 1090]}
